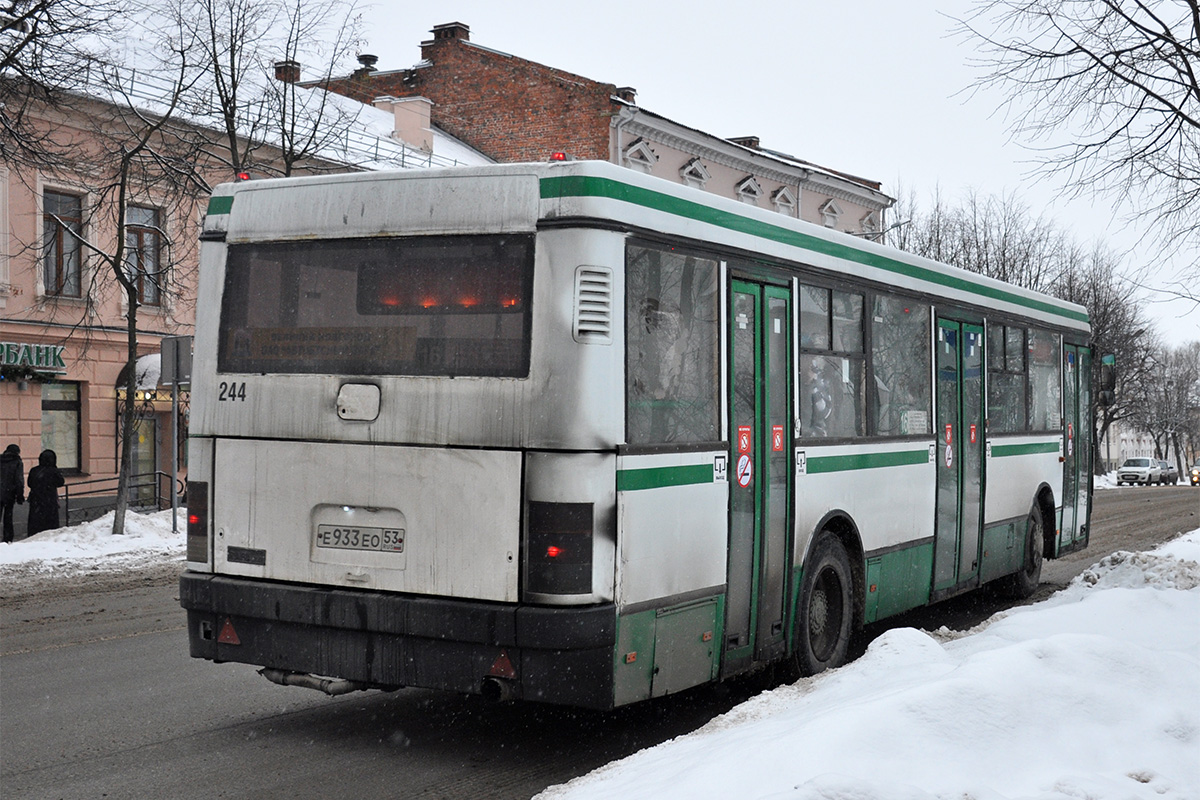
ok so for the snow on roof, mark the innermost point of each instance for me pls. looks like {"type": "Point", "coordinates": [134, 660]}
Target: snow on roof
{"type": "Point", "coordinates": [357, 134]}
{"type": "Point", "coordinates": [148, 372]}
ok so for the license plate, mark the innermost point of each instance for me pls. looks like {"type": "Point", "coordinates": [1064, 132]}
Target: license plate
{"type": "Point", "coordinates": [358, 537]}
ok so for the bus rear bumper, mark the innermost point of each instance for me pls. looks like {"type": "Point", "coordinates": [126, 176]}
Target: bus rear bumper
{"type": "Point", "coordinates": [548, 654]}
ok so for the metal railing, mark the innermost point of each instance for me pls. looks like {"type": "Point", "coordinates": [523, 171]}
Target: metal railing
{"type": "Point", "coordinates": [148, 491]}
{"type": "Point", "coordinates": [345, 139]}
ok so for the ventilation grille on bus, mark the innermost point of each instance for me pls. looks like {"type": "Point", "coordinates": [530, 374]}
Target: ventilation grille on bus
{"type": "Point", "coordinates": [593, 305]}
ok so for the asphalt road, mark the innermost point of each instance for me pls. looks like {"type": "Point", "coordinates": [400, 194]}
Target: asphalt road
{"type": "Point", "coordinates": [99, 699]}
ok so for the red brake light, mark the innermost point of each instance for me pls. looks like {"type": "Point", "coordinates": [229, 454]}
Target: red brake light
{"type": "Point", "coordinates": [553, 551]}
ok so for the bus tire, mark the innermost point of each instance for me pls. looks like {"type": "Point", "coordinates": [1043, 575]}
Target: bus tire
{"type": "Point", "coordinates": [826, 609]}
{"type": "Point", "coordinates": [1023, 583]}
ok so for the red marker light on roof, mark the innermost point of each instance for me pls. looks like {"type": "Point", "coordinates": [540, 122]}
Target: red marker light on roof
{"type": "Point", "coordinates": [243, 176]}
{"type": "Point", "coordinates": [558, 156]}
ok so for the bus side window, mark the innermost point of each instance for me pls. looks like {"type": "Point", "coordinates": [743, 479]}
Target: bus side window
{"type": "Point", "coordinates": [672, 347]}
{"type": "Point", "coordinates": [900, 358]}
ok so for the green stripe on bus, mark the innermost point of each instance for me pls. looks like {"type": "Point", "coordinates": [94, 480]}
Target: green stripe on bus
{"type": "Point", "coordinates": [631, 480]}
{"type": "Point", "coordinates": [587, 186]}
{"type": "Point", "coordinates": [1002, 450]}
{"type": "Point", "coordinates": [821, 464]}
{"type": "Point", "coordinates": [221, 204]}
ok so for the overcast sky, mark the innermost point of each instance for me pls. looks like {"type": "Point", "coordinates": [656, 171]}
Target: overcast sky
{"type": "Point", "coordinates": [877, 88]}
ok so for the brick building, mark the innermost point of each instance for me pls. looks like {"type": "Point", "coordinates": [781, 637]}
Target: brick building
{"type": "Point", "coordinates": [512, 110]}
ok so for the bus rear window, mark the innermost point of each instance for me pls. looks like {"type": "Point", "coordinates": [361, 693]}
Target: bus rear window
{"type": "Point", "coordinates": [428, 305]}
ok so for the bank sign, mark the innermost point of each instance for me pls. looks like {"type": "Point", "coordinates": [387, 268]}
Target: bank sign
{"type": "Point", "coordinates": [40, 357]}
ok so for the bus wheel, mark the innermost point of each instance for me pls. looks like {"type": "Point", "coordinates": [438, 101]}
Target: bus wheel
{"type": "Point", "coordinates": [1024, 583]}
{"type": "Point", "coordinates": [826, 608]}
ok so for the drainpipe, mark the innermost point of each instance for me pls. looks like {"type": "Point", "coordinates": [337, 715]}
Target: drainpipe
{"type": "Point", "coordinates": [624, 116]}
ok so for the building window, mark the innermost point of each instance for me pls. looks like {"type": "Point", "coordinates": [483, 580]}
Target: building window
{"type": "Point", "coordinates": [784, 201]}
{"type": "Point", "coordinates": [60, 423]}
{"type": "Point", "coordinates": [870, 226]}
{"type": "Point", "coordinates": [694, 174]}
{"type": "Point", "coordinates": [638, 156]}
{"type": "Point", "coordinates": [748, 190]}
{"type": "Point", "coordinates": [830, 211]}
{"type": "Point", "coordinates": [62, 228]}
{"type": "Point", "coordinates": [142, 247]}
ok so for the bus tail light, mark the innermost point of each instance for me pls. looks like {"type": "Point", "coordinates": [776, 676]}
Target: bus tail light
{"type": "Point", "coordinates": [197, 521]}
{"type": "Point", "coordinates": [560, 548]}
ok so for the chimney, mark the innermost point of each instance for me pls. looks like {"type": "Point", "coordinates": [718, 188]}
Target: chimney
{"type": "Point", "coordinates": [368, 61]}
{"type": "Point", "coordinates": [628, 94]}
{"type": "Point", "coordinates": [287, 71]}
{"type": "Point", "coordinates": [746, 141]}
{"type": "Point", "coordinates": [411, 120]}
{"type": "Point", "coordinates": [451, 30]}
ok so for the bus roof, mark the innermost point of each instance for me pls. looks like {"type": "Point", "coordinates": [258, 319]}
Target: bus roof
{"type": "Point", "coordinates": [600, 190]}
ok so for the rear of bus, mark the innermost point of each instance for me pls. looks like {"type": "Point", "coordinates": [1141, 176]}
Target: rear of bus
{"type": "Point", "coordinates": [401, 450]}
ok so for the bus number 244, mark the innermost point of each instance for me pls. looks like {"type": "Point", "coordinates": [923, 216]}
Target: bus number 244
{"type": "Point", "coordinates": [231, 390]}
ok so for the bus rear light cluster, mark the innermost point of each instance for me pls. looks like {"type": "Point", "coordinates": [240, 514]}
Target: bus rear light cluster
{"type": "Point", "coordinates": [197, 521]}
{"type": "Point", "coordinates": [560, 548]}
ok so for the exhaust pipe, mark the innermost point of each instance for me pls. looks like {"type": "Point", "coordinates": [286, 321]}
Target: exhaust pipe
{"type": "Point", "coordinates": [329, 686]}
{"type": "Point", "coordinates": [497, 690]}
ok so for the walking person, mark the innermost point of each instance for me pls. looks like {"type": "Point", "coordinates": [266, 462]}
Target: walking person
{"type": "Point", "coordinates": [12, 486]}
{"type": "Point", "coordinates": [44, 480]}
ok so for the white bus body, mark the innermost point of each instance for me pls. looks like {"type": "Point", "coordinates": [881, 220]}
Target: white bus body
{"type": "Point", "coordinates": [566, 432]}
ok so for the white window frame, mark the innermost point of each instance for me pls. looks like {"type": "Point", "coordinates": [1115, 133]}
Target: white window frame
{"type": "Point", "coordinates": [639, 157]}
{"type": "Point", "coordinates": [784, 201]}
{"type": "Point", "coordinates": [694, 174]}
{"type": "Point", "coordinates": [830, 211]}
{"type": "Point", "coordinates": [749, 190]}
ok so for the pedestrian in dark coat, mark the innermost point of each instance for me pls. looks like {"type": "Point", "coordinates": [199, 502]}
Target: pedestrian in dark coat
{"type": "Point", "coordinates": [12, 486]}
{"type": "Point", "coordinates": [44, 480]}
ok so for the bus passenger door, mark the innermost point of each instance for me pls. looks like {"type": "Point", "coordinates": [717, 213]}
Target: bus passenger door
{"type": "Point", "coordinates": [1076, 446]}
{"type": "Point", "coordinates": [760, 437]}
{"type": "Point", "coordinates": [959, 513]}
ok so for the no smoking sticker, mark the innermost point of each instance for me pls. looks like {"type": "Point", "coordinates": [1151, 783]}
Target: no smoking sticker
{"type": "Point", "coordinates": [949, 456]}
{"type": "Point", "coordinates": [744, 470]}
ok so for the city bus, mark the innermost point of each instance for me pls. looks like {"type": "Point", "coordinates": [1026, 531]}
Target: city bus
{"type": "Point", "coordinates": [573, 434]}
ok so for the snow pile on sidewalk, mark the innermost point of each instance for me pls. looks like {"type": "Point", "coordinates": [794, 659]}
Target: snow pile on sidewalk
{"type": "Point", "coordinates": [91, 546]}
{"type": "Point", "coordinates": [1094, 693]}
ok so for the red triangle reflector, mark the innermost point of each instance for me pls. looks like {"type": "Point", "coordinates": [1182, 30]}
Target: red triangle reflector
{"type": "Point", "coordinates": [502, 667]}
{"type": "Point", "coordinates": [228, 634]}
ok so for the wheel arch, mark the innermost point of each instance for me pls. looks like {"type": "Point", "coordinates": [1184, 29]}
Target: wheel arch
{"type": "Point", "coordinates": [842, 525]}
{"type": "Point", "coordinates": [1043, 499]}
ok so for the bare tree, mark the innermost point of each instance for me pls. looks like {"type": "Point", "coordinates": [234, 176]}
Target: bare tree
{"type": "Point", "coordinates": [1000, 238]}
{"type": "Point", "coordinates": [994, 236]}
{"type": "Point", "coordinates": [44, 47]}
{"type": "Point", "coordinates": [141, 164]}
{"type": "Point", "coordinates": [1166, 412]}
{"type": "Point", "coordinates": [250, 54]}
{"type": "Point", "coordinates": [1109, 90]}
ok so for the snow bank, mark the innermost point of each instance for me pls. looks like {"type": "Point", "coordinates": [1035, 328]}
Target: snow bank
{"type": "Point", "coordinates": [1094, 693]}
{"type": "Point", "coordinates": [91, 546]}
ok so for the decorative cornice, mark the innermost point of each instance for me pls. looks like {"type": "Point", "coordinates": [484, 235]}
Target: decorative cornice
{"type": "Point", "coordinates": [727, 154]}
{"type": "Point", "coordinates": [835, 187]}
{"type": "Point", "coordinates": [714, 154]}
